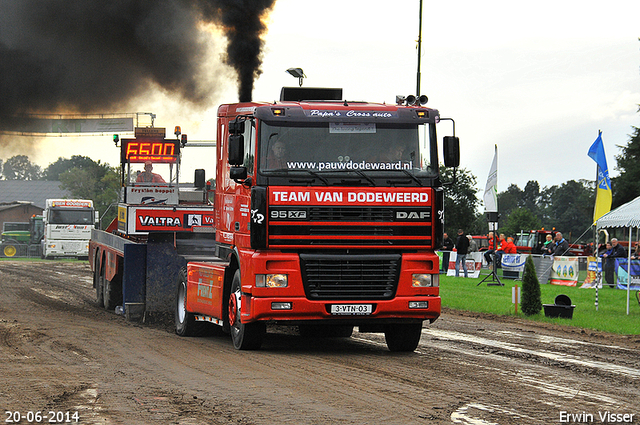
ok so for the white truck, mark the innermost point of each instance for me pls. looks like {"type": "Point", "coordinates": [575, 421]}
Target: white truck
{"type": "Point", "coordinates": [67, 227]}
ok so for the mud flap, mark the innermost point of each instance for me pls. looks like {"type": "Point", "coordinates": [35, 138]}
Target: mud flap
{"type": "Point", "coordinates": [134, 280]}
{"type": "Point", "coordinates": [163, 266]}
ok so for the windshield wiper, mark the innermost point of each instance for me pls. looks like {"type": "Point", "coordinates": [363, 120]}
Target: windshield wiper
{"type": "Point", "coordinates": [288, 171]}
{"type": "Point", "coordinates": [414, 178]}
{"type": "Point", "coordinates": [369, 179]}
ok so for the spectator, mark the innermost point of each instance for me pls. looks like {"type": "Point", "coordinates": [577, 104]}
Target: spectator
{"type": "Point", "coordinates": [490, 250]}
{"type": "Point", "coordinates": [616, 251]}
{"type": "Point", "coordinates": [462, 247]}
{"type": "Point", "coordinates": [447, 247]}
{"type": "Point", "coordinates": [509, 247]}
{"type": "Point", "coordinates": [500, 250]}
{"type": "Point", "coordinates": [148, 176]}
{"type": "Point", "coordinates": [548, 246]}
{"type": "Point", "coordinates": [607, 250]}
{"type": "Point", "coordinates": [473, 245]}
{"type": "Point", "coordinates": [636, 253]}
{"type": "Point", "coordinates": [561, 246]}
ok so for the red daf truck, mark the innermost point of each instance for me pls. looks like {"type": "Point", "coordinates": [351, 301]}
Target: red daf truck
{"type": "Point", "coordinates": [326, 215]}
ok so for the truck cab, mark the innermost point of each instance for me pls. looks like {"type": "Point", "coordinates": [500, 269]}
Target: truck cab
{"type": "Point", "coordinates": [327, 216]}
{"type": "Point", "coordinates": [67, 225]}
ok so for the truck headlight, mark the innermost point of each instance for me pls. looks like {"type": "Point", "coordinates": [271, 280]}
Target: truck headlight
{"type": "Point", "coordinates": [272, 281]}
{"type": "Point", "coordinates": [423, 280]}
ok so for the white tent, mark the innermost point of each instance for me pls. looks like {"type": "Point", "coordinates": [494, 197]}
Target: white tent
{"type": "Point", "coordinates": [625, 216]}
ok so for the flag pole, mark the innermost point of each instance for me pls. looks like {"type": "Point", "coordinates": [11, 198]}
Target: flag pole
{"type": "Point", "coordinates": [597, 239]}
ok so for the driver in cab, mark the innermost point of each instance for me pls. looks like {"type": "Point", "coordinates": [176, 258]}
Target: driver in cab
{"type": "Point", "coordinates": [148, 176]}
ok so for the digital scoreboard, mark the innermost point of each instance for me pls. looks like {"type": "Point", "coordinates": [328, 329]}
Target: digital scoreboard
{"type": "Point", "coordinates": [150, 149]}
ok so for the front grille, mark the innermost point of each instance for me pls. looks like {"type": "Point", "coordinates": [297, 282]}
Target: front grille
{"type": "Point", "coordinates": [350, 277]}
{"type": "Point", "coordinates": [350, 226]}
{"type": "Point", "coordinates": [350, 214]}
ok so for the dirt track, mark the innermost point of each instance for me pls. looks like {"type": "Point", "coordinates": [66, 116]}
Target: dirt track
{"type": "Point", "coordinates": [60, 353]}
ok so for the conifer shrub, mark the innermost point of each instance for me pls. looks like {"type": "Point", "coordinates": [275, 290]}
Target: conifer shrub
{"type": "Point", "coordinates": [531, 299]}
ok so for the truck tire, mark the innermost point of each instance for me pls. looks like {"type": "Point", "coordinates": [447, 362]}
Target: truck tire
{"type": "Point", "coordinates": [98, 278]}
{"type": "Point", "coordinates": [245, 336]}
{"type": "Point", "coordinates": [112, 293]}
{"type": "Point", "coordinates": [186, 324]}
{"type": "Point", "coordinates": [403, 337]}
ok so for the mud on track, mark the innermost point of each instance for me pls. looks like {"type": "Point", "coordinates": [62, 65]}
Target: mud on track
{"type": "Point", "coordinates": [60, 352]}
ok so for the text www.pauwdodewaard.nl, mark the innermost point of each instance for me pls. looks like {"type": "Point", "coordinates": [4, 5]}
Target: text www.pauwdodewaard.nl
{"type": "Point", "coordinates": [349, 165]}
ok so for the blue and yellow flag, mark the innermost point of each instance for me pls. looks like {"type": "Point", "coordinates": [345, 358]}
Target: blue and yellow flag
{"type": "Point", "coordinates": [603, 192]}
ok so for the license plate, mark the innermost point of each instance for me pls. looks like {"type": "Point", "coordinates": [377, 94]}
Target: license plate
{"type": "Point", "coordinates": [351, 309]}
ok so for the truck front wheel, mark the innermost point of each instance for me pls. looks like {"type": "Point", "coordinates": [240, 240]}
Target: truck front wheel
{"type": "Point", "coordinates": [186, 324]}
{"type": "Point", "coordinates": [403, 337]}
{"type": "Point", "coordinates": [245, 336]}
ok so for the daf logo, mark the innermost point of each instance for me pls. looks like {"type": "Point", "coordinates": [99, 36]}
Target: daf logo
{"type": "Point", "coordinates": [412, 215]}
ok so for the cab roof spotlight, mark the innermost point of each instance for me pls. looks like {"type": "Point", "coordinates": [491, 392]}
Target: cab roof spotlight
{"type": "Point", "coordinates": [298, 73]}
{"type": "Point", "coordinates": [411, 100]}
{"type": "Point", "coordinates": [423, 99]}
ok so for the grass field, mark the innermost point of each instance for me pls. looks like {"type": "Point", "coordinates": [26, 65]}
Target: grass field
{"type": "Point", "coordinates": [464, 294]}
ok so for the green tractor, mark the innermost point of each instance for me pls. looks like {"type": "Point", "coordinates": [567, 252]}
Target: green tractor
{"type": "Point", "coordinates": [22, 239]}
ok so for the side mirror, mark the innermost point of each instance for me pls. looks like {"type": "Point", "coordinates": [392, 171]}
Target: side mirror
{"type": "Point", "coordinates": [451, 151]}
{"type": "Point", "coordinates": [96, 217]}
{"type": "Point", "coordinates": [236, 126]}
{"type": "Point", "coordinates": [236, 149]}
{"type": "Point", "coordinates": [198, 179]}
{"type": "Point", "coordinates": [238, 173]}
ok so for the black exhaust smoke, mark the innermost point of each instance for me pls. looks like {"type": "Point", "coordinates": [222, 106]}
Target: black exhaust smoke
{"type": "Point", "coordinates": [92, 56]}
{"type": "Point", "coordinates": [243, 25]}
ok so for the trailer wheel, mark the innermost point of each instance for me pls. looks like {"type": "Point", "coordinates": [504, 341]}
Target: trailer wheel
{"type": "Point", "coordinates": [245, 336]}
{"type": "Point", "coordinates": [112, 293]}
{"type": "Point", "coordinates": [186, 324]}
{"type": "Point", "coordinates": [403, 337]}
{"type": "Point", "coordinates": [98, 277]}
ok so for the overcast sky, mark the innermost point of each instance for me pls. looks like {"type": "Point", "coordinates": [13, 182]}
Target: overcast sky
{"type": "Point", "coordinates": [539, 79]}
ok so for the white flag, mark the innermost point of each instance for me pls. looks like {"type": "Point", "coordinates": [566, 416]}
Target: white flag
{"type": "Point", "coordinates": [491, 189]}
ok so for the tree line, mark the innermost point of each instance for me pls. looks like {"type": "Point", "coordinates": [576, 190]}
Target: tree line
{"type": "Point", "coordinates": [83, 177]}
{"type": "Point", "coordinates": [567, 207]}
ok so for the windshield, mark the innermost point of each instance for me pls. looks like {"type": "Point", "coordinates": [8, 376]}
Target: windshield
{"type": "Point", "coordinates": [62, 216]}
{"type": "Point", "coordinates": [345, 147]}
{"type": "Point", "coordinates": [12, 227]}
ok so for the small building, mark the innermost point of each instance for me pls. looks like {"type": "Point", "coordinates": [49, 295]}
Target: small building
{"type": "Point", "coordinates": [20, 199]}
{"type": "Point", "coordinates": [18, 211]}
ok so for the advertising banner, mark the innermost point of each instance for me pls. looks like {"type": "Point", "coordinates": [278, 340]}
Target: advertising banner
{"type": "Point", "coordinates": [623, 274]}
{"type": "Point", "coordinates": [565, 271]}
{"type": "Point", "coordinates": [474, 265]}
{"type": "Point", "coordinates": [163, 219]}
{"type": "Point", "coordinates": [593, 268]}
{"type": "Point", "coordinates": [513, 262]}
{"type": "Point", "coordinates": [148, 195]}
{"type": "Point", "coordinates": [34, 125]}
